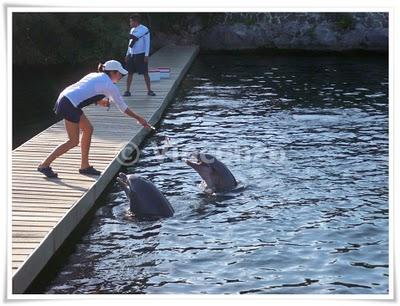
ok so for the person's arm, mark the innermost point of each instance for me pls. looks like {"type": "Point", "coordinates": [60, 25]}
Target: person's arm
{"type": "Point", "coordinates": [119, 101]}
{"type": "Point", "coordinates": [127, 53]}
{"type": "Point", "coordinates": [139, 118]}
{"type": "Point", "coordinates": [128, 50]}
{"type": "Point", "coordinates": [147, 44]}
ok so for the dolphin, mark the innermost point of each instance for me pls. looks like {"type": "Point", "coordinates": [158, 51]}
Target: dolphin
{"type": "Point", "coordinates": [215, 174]}
{"type": "Point", "coordinates": [146, 201]}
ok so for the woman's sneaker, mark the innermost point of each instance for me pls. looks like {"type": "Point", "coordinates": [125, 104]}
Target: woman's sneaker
{"type": "Point", "coordinates": [48, 172]}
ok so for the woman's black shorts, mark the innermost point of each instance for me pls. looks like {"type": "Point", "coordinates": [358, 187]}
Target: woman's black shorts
{"type": "Point", "coordinates": [67, 110]}
{"type": "Point", "coordinates": [136, 64]}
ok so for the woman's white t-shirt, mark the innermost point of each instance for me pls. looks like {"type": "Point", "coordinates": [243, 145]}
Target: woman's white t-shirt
{"type": "Point", "coordinates": [92, 86]}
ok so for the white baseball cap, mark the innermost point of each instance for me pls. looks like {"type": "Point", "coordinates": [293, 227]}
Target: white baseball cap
{"type": "Point", "coordinates": [114, 65]}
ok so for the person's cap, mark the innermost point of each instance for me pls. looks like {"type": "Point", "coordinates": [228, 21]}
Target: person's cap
{"type": "Point", "coordinates": [114, 65]}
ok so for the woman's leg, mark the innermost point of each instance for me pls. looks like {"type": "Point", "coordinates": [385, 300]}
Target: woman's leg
{"type": "Point", "coordinates": [73, 140]}
{"type": "Point", "coordinates": [87, 131]}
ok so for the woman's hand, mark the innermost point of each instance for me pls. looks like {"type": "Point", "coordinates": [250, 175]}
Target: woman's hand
{"type": "Point", "coordinates": [104, 102]}
{"type": "Point", "coordinates": [139, 119]}
{"type": "Point", "coordinates": [143, 122]}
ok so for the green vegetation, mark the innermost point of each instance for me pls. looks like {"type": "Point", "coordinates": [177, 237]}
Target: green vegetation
{"type": "Point", "coordinates": [310, 32]}
{"type": "Point", "coordinates": [68, 38]}
{"type": "Point", "coordinates": [249, 20]}
{"type": "Point", "coordinates": [76, 38]}
{"type": "Point", "coordinates": [345, 21]}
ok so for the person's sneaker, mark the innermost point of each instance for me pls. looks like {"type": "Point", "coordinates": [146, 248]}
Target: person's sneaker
{"type": "Point", "coordinates": [47, 171]}
{"type": "Point", "coordinates": [151, 93]}
{"type": "Point", "coordinates": [90, 171]}
{"type": "Point", "coordinates": [127, 94]}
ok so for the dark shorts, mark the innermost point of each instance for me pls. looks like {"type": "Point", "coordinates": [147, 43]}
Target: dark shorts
{"type": "Point", "coordinates": [136, 64]}
{"type": "Point", "coordinates": [67, 110]}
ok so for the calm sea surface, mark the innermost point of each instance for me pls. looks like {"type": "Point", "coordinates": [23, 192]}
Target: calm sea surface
{"type": "Point", "coordinates": [306, 136]}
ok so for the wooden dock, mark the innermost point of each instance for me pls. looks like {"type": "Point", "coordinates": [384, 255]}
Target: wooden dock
{"type": "Point", "coordinates": [45, 211]}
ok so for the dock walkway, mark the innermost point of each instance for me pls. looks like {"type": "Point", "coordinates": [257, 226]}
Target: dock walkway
{"type": "Point", "coordinates": [45, 211]}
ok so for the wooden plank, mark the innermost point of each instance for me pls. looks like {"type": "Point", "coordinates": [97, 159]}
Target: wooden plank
{"type": "Point", "coordinates": [73, 173]}
{"type": "Point", "coordinates": [39, 219]}
{"type": "Point", "coordinates": [34, 162]}
{"type": "Point", "coordinates": [58, 191]}
{"type": "Point", "coordinates": [22, 251]}
{"type": "Point", "coordinates": [32, 225]}
{"type": "Point", "coordinates": [16, 232]}
{"type": "Point", "coordinates": [98, 139]}
{"type": "Point", "coordinates": [28, 226]}
{"type": "Point", "coordinates": [39, 194]}
{"type": "Point", "coordinates": [16, 214]}
{"type": "Point", "coordinates": [52, 186]}
{"type": "Point", "coordinates": [32, 151]}
{"type": "Point", "coordinates": [20, 257]}
{"type": "Point", "coordinates": [22, 210]}
{"type": "Point", "coordinates": [48, 188]}
{"type": "Point", "coordinates": [27, 201]}
{"type": "Point", "coordinates": [23, 240]}
{"type": "Point", "coordinates": [45, 211]}
{"type": "Point", "coordinates": [66, 177]}
{"type": "Point", "coordinates": [38, 205]}
{"type": "Point", "coordinates": [16, 265]}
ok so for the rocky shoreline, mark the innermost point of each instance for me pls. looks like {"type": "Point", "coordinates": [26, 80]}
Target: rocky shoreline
{"type": "Point", "coordinates": [275, 31]}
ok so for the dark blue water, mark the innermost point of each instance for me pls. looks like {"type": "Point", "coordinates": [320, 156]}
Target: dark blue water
{"type": "Point", "coordinates": [307, 136]}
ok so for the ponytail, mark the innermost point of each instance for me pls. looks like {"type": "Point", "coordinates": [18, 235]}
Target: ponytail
{"type": "Point", "coordinates": [100, 67]}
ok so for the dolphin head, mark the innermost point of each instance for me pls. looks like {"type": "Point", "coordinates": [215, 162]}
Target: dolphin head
{"type": "Point", "coordinates": [146, 201]}
{"type": "Point", "coordinates": [204, 164]}
{"type": "Point", "coordinates": [126, 182]}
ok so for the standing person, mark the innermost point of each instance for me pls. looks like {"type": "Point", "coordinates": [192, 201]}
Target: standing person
{"type": "Point", "coordinates": [95, 87]}
{"type": "Point", "coordinates": [137, 55]}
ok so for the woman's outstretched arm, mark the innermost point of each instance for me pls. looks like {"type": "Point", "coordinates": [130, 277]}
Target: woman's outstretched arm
{"type": "Point", "coordinates": [139, 118]}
